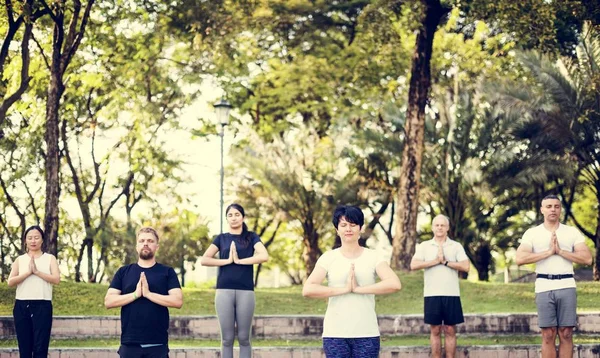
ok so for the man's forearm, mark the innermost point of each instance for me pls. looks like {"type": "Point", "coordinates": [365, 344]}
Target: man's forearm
{"type": "Point", "coordinates": [578, 257]}
{"type": "Point", "coordinates": [524, 258]}
{"type": "Point", "coordinates": [418, 264]}
{"type": "Point", "coordinates": [171, 300]}
{"type": "Point", "coordinates": [114, 301]}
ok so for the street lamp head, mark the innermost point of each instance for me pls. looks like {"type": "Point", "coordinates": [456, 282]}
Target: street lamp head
{"type": "Point", "coordinates": [223, 107]}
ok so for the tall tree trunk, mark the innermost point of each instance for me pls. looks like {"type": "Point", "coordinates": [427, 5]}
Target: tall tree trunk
{"type": "Point", "coordinates": [52, 160]}
{"type": "Point", "coordinates": [311, 247]}
{"type": "Point", "coordinates": [405, 237]}
{"type": "Point", "coordinates": [596, 263]}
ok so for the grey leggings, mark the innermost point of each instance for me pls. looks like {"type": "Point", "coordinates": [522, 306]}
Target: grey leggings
{"type": "Point", "coordinates": [235, 306]}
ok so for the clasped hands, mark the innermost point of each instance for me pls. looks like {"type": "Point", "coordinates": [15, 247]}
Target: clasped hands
{"type": "Point", "coordinates": [233, 255]}
{"type": "Point", "coordinates": [351, 283]}
{"type": "Point", "coordinates": [440, 255]}
{"type": "Point", "coordinates": [33, 270]}
{"type": "Point", "coordinates": [142, 289]}
{"type": "Point", "coordinates": [554, 246]}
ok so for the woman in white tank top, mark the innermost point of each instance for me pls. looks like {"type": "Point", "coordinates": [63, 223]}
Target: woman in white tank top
{"type": "Point", "coordinates": [33, 273]}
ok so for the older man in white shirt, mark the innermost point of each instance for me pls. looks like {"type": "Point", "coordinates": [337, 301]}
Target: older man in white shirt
{"type": "Point", "coordinates": [442, 258]}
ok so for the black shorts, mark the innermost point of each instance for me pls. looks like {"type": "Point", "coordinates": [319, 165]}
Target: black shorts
{"type": "Point", "coordinates": [445, 310]}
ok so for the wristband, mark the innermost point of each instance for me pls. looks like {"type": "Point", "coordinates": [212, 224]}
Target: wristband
{"type": "Point", "coordinates": [135, 296]}
{"type": "Point", "coordinates": [446, 263]}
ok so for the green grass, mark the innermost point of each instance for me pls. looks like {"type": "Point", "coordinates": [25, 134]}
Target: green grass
{"type": "Point", "coordinates": [417, 340]}
{"type": "Point", "coordinates": [477, 297]}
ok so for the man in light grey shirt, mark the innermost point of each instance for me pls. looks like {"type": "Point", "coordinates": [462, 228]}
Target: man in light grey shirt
{"type": "Point", "coordinates": [553, 247]}
{"type": "Point", "coordinates": [442, 259]}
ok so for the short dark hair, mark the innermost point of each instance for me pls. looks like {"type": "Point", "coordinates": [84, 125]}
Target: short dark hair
{"type": "Point", "coordinates": [550, 196]}
{"type": "Point", "coordinates": [351, 213]}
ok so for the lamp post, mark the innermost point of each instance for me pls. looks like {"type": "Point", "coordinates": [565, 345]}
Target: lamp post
{"type": "Point", "coordinates": [222, 108]}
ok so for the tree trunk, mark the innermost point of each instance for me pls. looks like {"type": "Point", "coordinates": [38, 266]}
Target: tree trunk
{"type": "Point", "coordinates": [311, 247]}
{"type": "Point", "coordinates": [405, 237]}
{"type": "Point", "coordinates": [596, 263]}
{"type": "Point", "coordinates": [483, 261]}
{"type": "Point", "coordinates": [52, 159]}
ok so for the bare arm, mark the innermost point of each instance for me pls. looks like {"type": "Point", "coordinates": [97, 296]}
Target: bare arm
{"type": "Point", "coordinates": [389, 283]}
{"type": "Point", "coordinates": [525, 255]}
{"type": "Point", "coordinates": [114, 298]}
{"type": "Point", "coordinates": [14, 278]}
{"type": "Point", "coordinates": [54, 276]}
{"type": "Point", "coordinates": [173, 299]}
{"type": "Point", "coordinates": [463, 265]}
{"type": "Point", "coordinates": [581, 254]}
{"type": "Point", "coordinates": [208, 258]}
{"type": "Point", "coordinates": [313, 286]}
{"type": "Point", "coordinates": [416, 264]}
{"type": "Point", "coordinates": [260, 255]}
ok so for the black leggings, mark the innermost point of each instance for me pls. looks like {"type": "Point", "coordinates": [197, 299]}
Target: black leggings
{"type": "Point", "coordinates": [33, 322]}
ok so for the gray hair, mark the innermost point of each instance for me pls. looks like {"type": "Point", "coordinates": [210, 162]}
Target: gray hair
{"type": "Point", "coordinates": [441, 216]}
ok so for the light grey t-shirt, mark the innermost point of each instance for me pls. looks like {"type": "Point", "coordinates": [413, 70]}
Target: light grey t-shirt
{"type": "Point", "coordinates": [440, 280]}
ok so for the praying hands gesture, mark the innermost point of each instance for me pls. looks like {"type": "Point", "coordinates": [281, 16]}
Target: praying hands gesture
{"type": "Point", "coordinates": [351, 283]}
{"type": "Point", "coordinates": [554, 246]}
{"type": "Point", "coordinates": [440, 255]}
{"type": "Point", "coordinates": [233, 255]}
{"type": "Point", "coordinates": [32, 267]}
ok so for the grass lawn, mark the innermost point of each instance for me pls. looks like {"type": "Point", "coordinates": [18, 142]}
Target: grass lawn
{"type": "Point", "coordinates": [477, 297]}
{"type": "Point", "coordinates": [420, 340]}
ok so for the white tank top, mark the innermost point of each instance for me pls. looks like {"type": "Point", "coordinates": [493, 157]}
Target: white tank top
{"type": "Point", "coordinates": [34, 287]}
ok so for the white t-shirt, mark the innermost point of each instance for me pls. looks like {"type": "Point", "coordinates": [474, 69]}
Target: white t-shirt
{"type": "Point", "coordinates": [440, 280]}
{"type": "Point", "coordinates": [350, 315]}
{"type": "Point", "coordinates": [34, 287]}
{"type": "Point", "coordinates": [538, 238]}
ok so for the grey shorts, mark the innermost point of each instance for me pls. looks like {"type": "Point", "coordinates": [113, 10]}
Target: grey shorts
{"type": "Point", "coordinates": [557, 308]}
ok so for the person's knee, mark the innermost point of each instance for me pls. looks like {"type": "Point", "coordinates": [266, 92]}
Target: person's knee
{"type": "Point", "coordinates": [549, 334]}
{"type": "Point", "coordinates": [450, 331]}
{"type": "Point", "coordinates": [436, 330]}
{"type": "Point", "coordinates": [565, 334]}
{"type": "Point", "coordinates": [244, 341]}
{"type": "Point", "coordinates": [227, 341]}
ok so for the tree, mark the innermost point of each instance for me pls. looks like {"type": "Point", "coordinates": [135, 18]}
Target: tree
{"type": "Point", "coordinates": [559, 116]}
{"type": "Point", "coordinates": [64, 46]}
{"type": "Point", "coordinates": [299, 171]}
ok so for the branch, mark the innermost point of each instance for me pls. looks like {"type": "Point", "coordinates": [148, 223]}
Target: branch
{"type": "Point", "coordinates": [32, 199]}
{"type": "Point", "coordinates": [24, 73]}
{"type": "Point", "coordinates": [96, 164]}
{"type": "Point", "coordinates": [376, 216]}
{"type": "Point", "coordinates": [84, 207]}
{"type": "Point", "coordinates": [12, 202]}
{"type": "Point", "coordinates": [114, 201]}
{"type": "Point", "coordinates": [74, 37]}
{"type": "Point", "coordinates": [41, 52]}
{"type": "Point", "coordinates": [272, 238]}
{"type": "Point", "coordinates": [7, 230]}
{"type": "Point", "coordinates": [47, 8]}
{"type": "Point", "coordinates": [10, 35]}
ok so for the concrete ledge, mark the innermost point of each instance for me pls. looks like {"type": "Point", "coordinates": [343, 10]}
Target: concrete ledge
{"type": "Point", "coordinates": [300, 326]}
{"type": "Point", "coordinates": [524, 351]}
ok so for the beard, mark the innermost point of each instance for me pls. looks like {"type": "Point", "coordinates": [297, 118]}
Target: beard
{"type": "Point", "coordinates": [146, 254]}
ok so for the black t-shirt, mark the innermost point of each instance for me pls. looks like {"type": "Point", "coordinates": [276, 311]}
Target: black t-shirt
{"type": "Point", "coordinates": [143, 321]}
{"type": "Point", "coordinates": [234, 276]}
